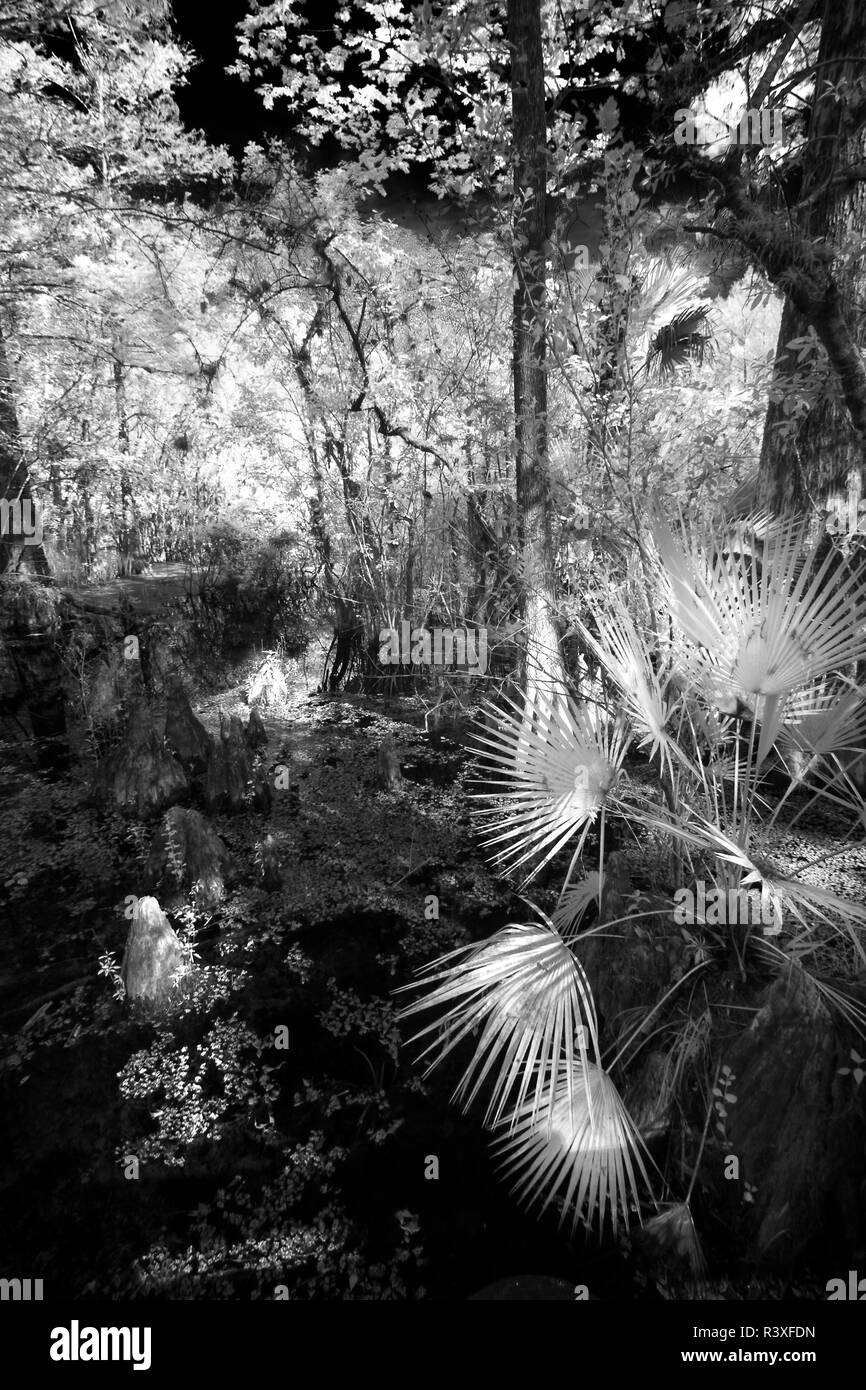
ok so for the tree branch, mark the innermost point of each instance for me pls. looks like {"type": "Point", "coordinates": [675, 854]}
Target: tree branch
{"type": "Point", "coordinates": [386, 426]}
{"type": "Point", "coordinates": [768, 77]}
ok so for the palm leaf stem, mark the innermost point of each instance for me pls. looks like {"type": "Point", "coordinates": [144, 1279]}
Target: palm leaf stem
{"type": "Point", "coordinates": [696, 1169]}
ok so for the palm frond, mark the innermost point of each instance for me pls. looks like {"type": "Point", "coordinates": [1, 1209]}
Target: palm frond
{"type": "Point", "coordinates": [823, 723]}
{"type": "Point", "coordinates": [555, 775]}
{"type": "Point", "coordinates": [792, 895]}
{"type": "Point", "coordinates": [582, 1155]}
{"type": "Point", "coordinates": [787, 896]}
{"type": "Point", "coordinates": [528, 993]}
{"type": "Point", "coordinates": [573, 903]}
{"type": "Point", "coordinates": [626, 657]}
{"type": "Point", "coordinates": [760, 630]}
{"type": "Point", "coordinates": [667, 286]}
{"type": "Point", "coordinates": [680, 341]}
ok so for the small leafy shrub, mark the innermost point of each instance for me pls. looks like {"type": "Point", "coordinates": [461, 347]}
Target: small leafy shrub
{"type": "Point", "coordinates": [26, 604]}
{"type": "Point", "coordinates": [349, 1016]}
{"type": "Point", "coordinates": [195, 1093]}
{"type": "Point", "coordinates": [426, 940]}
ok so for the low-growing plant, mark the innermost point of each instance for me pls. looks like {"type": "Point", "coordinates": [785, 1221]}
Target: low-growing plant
{"type": "Point", "coordinates": [736, 687]}
{"type": "Point", "coordinates": [194, 1093]}
{"type": "Point", "coordinates": [290, 1239]}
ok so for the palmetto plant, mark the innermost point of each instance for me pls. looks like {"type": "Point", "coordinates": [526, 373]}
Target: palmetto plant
{"type": "Point", "coordinates": [669, 324]}
{"type": "Point", "coordinates": [581, 1149]}
{"type": "Point", "coordinates": [741, 667]}
{"type": "Point", "coordinates": [761, 632]}
{"type": "Point", "coordinates": [553, 775]}
{"type": "Point", "coordinates": [561, 1127]}
{"type": "Point", "coordinates": [529, 996]}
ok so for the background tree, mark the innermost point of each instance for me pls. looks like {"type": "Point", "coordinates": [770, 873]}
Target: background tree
{"type": "Point", "coordinates": [90, 136]}
{"type": "Point", "coordinates": [812, 453]}
{"type": "Point", "coordinates": [522, 132]}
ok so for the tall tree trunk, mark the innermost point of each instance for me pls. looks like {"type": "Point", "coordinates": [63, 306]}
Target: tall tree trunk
{"type": "Point", "coordinates": [88, 530]}
{"type": "Point", "coordinates": [543, 662]}
{"type": "Point", "coordinates": [409, 572]}
{"type": "Point", "coordinates": [126, 537]}
{"type": "Point", "coordinates": [478, 542]}
{"type": "Point", "coordinates": [346, 599]}
{"type": "Point", "coordinates": [822, 462]}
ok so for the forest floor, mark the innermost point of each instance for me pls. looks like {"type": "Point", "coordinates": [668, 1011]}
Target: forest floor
{"type": "Point", "coordinates": [330, 1168]}
{"type": "Point", "coordinates": [146, 593]}
{"type": "Point", "coordinates": [321, 956]}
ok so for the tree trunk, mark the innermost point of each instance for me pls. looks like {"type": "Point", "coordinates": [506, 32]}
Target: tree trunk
{"type": "Point", "coordinates": [141, 776]}
{"type": "Point", "coordinates": [153, 958]}
{"type": "Point", "coordinates": [543, 663]}
{"type": "Point", "coordinates": [187, 856]}
{"type": "Point", "coordinates": [821, 462]}
{"type": "Point", "coordinates": [347, 603]}
{"type": "Point", "coordinates": [228, 770]}
{"type": "Point", "coordinates": [478, 543]}
{"type": "Point", "coordinates": [255, 734]}
{"type": "Point", "coordinates": [126, 530]}
{"type": "Point", "coordinates": [184, 733]}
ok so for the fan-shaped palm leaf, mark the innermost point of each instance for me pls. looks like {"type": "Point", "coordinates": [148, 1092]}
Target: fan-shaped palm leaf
{"type": "Point", "coordinates": [527, 992]}
{"type": "Point", "coordinates": [626, 657]}
{"type": "Point", "coordinates": [573, 903]}
{"type": "Point", "coordinates": [817, 732]}
{"type": "Point", "coordinates": [808, 903]}
{"type": "Point", "coordinates": [761, 631]}
{"type": "Point", "coordinates": [667, 287]}
{"type": "Point", "coordinates": [555, 776]}
{"type": "Point", "coordinates": [586, 1157]}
